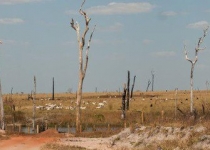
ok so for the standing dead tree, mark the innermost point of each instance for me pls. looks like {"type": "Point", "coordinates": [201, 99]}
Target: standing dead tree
{"type": "Point", "coordinates": [148, 84]}
{"type": "Point", "coordinates": [128, 92]}
{"type": "Point", "coordinates": [134, 78]}
{"type": "Point", "coordinates": [82, 66]}
{"type": "Point", "coordinates": [2, 106]}
{"type": "Point", "coordinates": [53, 89]}
{"type": "Point", "coordinates": [153, 78]}
{"type": "Point", "coordinates": [34, 104]}
{"type": "Point", "coordinates": [2, 109]}
{"type": "Point", "coordinates": [193, 62]}
{"type": "Point", "coordinates": [123, 102]}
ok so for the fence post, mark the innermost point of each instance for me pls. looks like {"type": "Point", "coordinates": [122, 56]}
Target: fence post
{"type": "Point", "coordinates": [94, 128]}
{"type": "Point", "coordinates": [108, 127]}
{"type": "Point", "coordinates": [68, 128]}
{"type": "Point", "coordinates": [162, 114]}
{"type": "Point", "coordinates": [37, 129]}
{"type": "Point", "coordinates": [46, 126]}
{"type": "Point", "coordinates": [19, 128]}
{"type": "Point", "coordinates": [142, 117]}
{"type": "Point", "coordinates": [80, 128]}
{"type": "Point", "coordinates": [28, 129]}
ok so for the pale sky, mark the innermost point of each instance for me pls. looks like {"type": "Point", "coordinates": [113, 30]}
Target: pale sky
{"type": "Point", "coordinates": [135, 35]}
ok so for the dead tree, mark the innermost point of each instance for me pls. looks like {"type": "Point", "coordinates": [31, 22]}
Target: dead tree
{"type": "Point", "coordinates": [153, 77]}
{"type": "Point", "coordinates": [34, 104]}
{"type": "Point", "coordinates": [148, 84]}
{"type": "Point", "coordinates": [123, 102]}
{"type": "Point", "coordinates": [2, 109]}
{"type": "Point", "coordinates": [193, 62]}
{"type": "Point", "coordinates": [82, 66]}
{"type": "Point", "coordinates": [134, 78]}
{"type": "Point", "coordinates": [53, 89]}
{"type": "Point", "coordinates": [128, 92]}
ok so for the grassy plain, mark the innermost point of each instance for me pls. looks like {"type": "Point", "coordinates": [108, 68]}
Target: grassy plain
{"type": "Point", "coordinates": [158, 108]}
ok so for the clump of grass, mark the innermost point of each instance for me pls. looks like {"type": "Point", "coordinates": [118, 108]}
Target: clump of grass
{"type": "Point", "coordinates": [52, 146]}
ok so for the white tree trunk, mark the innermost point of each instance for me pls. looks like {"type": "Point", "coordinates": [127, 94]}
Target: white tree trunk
{"type": "Point", "coordinates": [82, 67]}
{"type": "Point", "coordinates": [193, 62]}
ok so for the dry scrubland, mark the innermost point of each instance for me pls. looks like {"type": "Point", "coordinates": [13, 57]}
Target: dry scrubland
{"type": "Point", "coordinates": [157, 123]}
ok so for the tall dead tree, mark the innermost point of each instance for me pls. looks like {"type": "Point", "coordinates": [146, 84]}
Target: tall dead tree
{"type": "Point", "coordinates": [2, 109]}
{"type": "Point", "coordinates": [128, 92]}
{"type": "Point", "coordinates": [123, 102]}
{"type": "Point", "coordinates": [193, 62]}
{"type": "Point", "coordinates": [153, 78]}
{"type": "Point", "coordinates": [53, 89]}
{"type": "Point", "coordinates": [148, 84]}
{"type": "Point", "coordinates": [2, 106]}
{"type": "Point", "coordinates": [34, 104]}
{"type": "Point", "coordinates": [134, 78]}
{"type": "Point", "coordinates": [81, 39]}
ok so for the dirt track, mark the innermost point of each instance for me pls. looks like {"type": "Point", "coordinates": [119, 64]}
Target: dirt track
{"type": "Point", "coordinates": [29, 142]}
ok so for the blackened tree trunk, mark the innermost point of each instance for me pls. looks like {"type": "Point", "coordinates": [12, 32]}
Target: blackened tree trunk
{"type": "Point", "coordinates": [148, 84]}
{"type": "Point", "coordinates": [34, 104]}
{"type": "Point", "coordinates": [53, 90]}
{"type": "Point", "coordinates": [134, 78]}
{"type": "Point", "coordinates": [153, 78]}
{"type": "Point", "coordinates": [128, 91]}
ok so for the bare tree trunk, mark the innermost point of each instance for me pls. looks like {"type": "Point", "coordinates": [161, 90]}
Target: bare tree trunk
{"type": "Point", "coordinates": [128, 91]}
{"type": "Point", "coordinates": [2, 109]}
{"type": "Point", "coordinates": [153, 76]}
{"type": "Point", "coordinates": [193, 62]}
{"type": "Point", "coordinates": [123, 102]}
{"type": "Point", "coordinates": [191, 88]}
{"type": "Point", "coordinates": [175, 112]}
{"type": "Point", "coordinates": [79, 99]}
{"type": "Point", "coordinates": [53, 90]}
{"type": "Point", "coordinates": [133, 86]}
{"type": "Point", "coordinates": [34, 105]}
{"type": "Point", "coordinates": [148, 84]}
{"type": "Point", "coordinates": [82, 67]}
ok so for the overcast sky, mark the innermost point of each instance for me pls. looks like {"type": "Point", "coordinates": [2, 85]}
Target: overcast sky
{"type": "Point", "coordinates": [135, 35]}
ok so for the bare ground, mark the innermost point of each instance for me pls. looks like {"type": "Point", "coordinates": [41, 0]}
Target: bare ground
{"type": "Point", "coordinates": [141, 138]}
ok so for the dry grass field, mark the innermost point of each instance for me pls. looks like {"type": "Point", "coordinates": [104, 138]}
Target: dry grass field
{"type": "Point", "coordinates": [148, 108]}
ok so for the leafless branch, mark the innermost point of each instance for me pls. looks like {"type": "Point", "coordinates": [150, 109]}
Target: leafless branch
{"type": "Point", "coordinates": [186, 54]}
{"type": "Point", "coordinates": [87, 49]}
{"type": "Point", "coordinates": [200, 41]}
{"type": "Point", "coordinates": [87, 20]}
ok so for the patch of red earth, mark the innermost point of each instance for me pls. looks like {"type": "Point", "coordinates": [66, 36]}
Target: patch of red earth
{"type": "Point", "coordinates": [29, 142]}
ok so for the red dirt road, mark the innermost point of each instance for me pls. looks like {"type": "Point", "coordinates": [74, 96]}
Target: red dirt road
{"type": "Point", "coordinates": [29, 142]}
{"type": "Point", "coordinates": [24, 143]}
